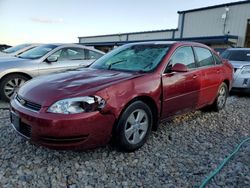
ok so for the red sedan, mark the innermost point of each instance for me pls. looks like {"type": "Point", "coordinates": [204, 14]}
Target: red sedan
{"type": "Point", "coordinates": [123, 95]}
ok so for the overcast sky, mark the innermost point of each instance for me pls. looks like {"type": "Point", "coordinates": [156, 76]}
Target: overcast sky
{"type": "Point", "coordinates": [46, 21]}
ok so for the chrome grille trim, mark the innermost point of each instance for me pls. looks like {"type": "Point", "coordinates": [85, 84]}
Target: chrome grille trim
{"type": "Point", "coordinates": [28, 104]}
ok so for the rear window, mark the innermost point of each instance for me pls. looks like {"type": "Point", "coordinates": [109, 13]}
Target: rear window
{"type": "Point", "coordinates": [236, 55]}
{"type": "Point", "coordinates": [92, 54]}
{"type": "Point", "coordinates": [217, 59]}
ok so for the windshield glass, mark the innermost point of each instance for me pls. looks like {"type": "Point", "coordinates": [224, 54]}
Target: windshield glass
{"type": "Point", "coordinates": [137, 57]}
{"type": "Point", "coordinates": [15, 48]}
{"type": "Point", "coordinates": [236, 55]}
{"type": "Point", "coordinates": [38, 52]}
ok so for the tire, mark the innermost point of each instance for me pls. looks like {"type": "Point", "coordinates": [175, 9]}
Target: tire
{"type": "Point", "coordinates": [133, 127]}
{"type": "Point", "coordinates": [221, 98]}
{"type": "Point", "coordinates": [10, 85]}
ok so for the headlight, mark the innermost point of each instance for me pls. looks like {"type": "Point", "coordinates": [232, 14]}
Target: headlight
{"type": "Point", "coordinates": [77, 105]}
{"type": "Point", "coordinates": [245, 70]}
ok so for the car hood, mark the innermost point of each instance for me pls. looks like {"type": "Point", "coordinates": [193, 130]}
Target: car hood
{"type": "Point", "coordinates": [239, 64]}
{"type": "Point", "coordinates": [4, 54]}
{"type": "Point", "coordinates": [8, 58]}
{"type": "Point", "coordinates": [46, 90]}
{"type": "Point", "coordinates": [13, 62]}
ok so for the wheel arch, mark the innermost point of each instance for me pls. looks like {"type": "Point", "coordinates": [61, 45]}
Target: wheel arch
{"type": "Point", "coordinates": [17, 73]}
{"type": "Point", "coordinates": [151, 104]}
{"type": "Point", "coordinates": [227, 83]}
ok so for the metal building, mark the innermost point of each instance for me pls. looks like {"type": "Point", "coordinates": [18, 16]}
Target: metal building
{"type": "Point", "coordinates": [218, 26]}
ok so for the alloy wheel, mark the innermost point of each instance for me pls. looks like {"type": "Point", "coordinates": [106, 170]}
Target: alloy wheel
{"type": "Point", "coordinates": [136, 126]}
{"type": "Point", "coordinates": [12, 86]}
{"type": "Point", "coordinates": [222, 96]}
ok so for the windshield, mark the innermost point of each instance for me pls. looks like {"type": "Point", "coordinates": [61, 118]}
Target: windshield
{"type": "Point", "coordinates": [236, 55]}
{"type": "Point", "coordinates": [38, 52]}
{"type": "Point", "coordinates": [138, 57]}
{"type": "Point", "coordinates": [15, 48]}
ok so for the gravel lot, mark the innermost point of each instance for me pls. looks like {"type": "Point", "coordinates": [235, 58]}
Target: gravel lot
{"type": "Point", "coordinates": [180, 154]}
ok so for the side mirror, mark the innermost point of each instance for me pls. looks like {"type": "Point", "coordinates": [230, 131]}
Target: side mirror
{"type": "Point", "coordinates": [178, 67]}
{"type": "Point", "coordinates": [52, 59]}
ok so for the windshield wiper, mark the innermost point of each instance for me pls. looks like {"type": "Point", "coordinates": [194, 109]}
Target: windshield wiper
{"type": "Point", "coordinates": [120, 61]}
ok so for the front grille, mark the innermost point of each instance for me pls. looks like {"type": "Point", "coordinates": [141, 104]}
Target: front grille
{"type": "Point", "coordinates": [28, 104]}
{"type": "Point", "coordinates": [25, 129]}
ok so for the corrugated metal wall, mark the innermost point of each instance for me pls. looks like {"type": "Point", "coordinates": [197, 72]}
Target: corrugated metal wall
{"type": "Point", "coordinates": [110, 38]}
{"type": "Point", "coordinates": [210, 23]}
{"type": "Point", "coordinates": [129, 37]}
{"type": "Point", "coordinates": [150, 36]}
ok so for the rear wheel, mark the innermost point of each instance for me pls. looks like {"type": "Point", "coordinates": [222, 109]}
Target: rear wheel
{"type": "Point", "coordinates": [10, 85]}
{"type": "Point", "coordinates": [134, 126]}
{"type": "Point", "coordinates": [221, 98]}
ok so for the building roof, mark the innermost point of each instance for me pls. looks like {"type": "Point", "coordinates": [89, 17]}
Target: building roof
{"type": "Point", "coordinates": [206, 39]}
{"type": "Point", "coordinates": [215, 6]}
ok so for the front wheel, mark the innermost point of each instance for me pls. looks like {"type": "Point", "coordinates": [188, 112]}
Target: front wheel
{"type": "Point", "coordinates": [134, 126]}
{"type": "Point", "coordinates": [221, 98]}
{"type": "Point", "coordinates": [10, 85]}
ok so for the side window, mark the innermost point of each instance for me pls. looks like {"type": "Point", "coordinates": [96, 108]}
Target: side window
{"type": "Point", "coordinates": [93, 55]}
{"type": "Point", "coordinates": [204, 57]}
{"type": "Point", "coordinates": [57, 54]}
{"type": "Point", "coordinates": [218, 61]}
{"type": "Point", "coordinates": [183, 55]}
{"type": "Point", "coordinates": [72, 54]}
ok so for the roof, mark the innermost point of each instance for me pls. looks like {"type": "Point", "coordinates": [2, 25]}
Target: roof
{"type": "Point", "coordinates": [131, 33]}
{"type": "Point", "coordinates": [153, 42]}
{"type": "Point", "coordinates": [206, 39]}
{"type": "Point", "coordinates": [74, 45]}
{"type": "Point", "coordinates": [215, 6]}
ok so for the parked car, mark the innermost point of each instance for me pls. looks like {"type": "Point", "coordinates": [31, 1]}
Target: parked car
{"type": "Point", "coordinates": [17, 50]}
{"type": "Point", "coordinates": [3, 47]}
{"type": "Point", "coordinates": [240, 59]}
{"type": "Point", "coordinates": [123, 95]}
{"type": "Point", "coordinates": [220, 50]}
{"type": "Point", "coordinates": [44, 59]}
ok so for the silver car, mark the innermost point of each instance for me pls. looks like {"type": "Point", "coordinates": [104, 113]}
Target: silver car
{"type": "Point", "coordinates": [45, 59]}
{"type": "Point", "coordinates": [240, 59]}
{"type": "Point", "coordinates": [17, 50]}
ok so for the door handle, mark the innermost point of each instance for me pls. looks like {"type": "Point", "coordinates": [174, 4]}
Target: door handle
{"type": "Point", "coordinates": [218, 71]}
{"type": "Point", "coordinates": [195, 76]}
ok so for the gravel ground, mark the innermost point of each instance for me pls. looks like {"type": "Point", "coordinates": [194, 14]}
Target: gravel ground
{"type": "Point", "coordinates": [180, 154]}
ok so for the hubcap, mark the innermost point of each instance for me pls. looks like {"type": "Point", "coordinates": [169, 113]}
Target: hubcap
{"type": "Point", "coordinates": [136, 126]}
{"type": "Point", "coordinates": [222, 97]}
{"type": "Point", "coordinates": [12, 86]}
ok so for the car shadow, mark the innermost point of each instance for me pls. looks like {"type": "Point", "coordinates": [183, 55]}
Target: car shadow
{"type": "Point", "coordinates": [239, 94]}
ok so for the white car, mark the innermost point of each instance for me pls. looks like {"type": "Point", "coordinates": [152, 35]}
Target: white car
{"type": "Point", "coordinates": [240, 59]}
{"type": "Point", "coordinates": [44, 59]}
{"type": "Point", "coordinates": [17, 50]}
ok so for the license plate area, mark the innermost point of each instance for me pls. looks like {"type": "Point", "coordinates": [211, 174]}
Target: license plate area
{"type": "Point", "coordinates": [15, 120]}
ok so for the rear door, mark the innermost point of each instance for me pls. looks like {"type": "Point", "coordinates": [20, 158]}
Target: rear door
{"type": "Point", "coordinates": [180, 89]}
{"type": "Point", "coordinates": [211, 75]}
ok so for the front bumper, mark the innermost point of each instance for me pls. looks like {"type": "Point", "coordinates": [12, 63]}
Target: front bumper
{"type": "Point", "coordinates": [241, 81]}
{"type": "Point", "coordinates": [58, 131]}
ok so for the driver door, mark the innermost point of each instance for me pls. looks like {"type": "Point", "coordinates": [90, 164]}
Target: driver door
{"type": "Point", "coordinates": [180, 89]}
{"type": "Point", "coordinates": [67, 58]}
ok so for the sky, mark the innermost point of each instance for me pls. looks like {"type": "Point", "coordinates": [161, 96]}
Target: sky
{"type": "Point", "coordinates": [47, 21]}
